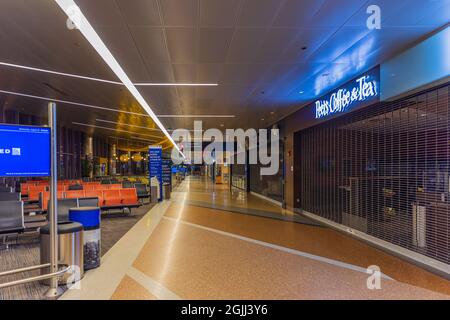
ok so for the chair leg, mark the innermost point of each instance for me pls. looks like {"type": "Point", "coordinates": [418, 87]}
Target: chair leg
{"type": "Point", "coordinates": [4, 244]}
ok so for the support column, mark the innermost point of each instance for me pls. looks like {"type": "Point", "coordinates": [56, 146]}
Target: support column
{"type": "Point", "coordinates": [54, 291]}
{"type": "Point", "coordinates": [89, 157]}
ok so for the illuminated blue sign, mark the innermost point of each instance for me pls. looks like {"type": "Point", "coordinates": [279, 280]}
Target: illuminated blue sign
{"type": "Point", "coordinates": [24, 151]}
{"type": "Point", "coordinates": [360, 91]}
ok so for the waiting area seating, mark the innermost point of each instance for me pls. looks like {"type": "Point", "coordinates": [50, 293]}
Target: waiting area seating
{"type": "Point", "coordinates": [11, 219]}
{"type": "Point", "coordinates": [106, 199]}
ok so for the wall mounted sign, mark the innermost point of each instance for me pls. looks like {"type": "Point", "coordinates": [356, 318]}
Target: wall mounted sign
{"type": "Point", "coordinates": [24, 151]}
{"type": "Point", "coordinates": [360, 91]}
{"type": "Point", "coordinates": [155, 165]}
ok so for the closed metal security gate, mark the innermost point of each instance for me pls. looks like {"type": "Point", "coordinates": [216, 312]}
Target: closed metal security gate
{"type": "Point", "coordinates": [383, 170]}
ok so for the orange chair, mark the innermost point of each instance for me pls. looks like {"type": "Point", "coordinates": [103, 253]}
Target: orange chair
{"type": "Point", "coordinates": [129, 197]}
{"type": "Point", "coordinates": [37, 188]}
{"type": "Point", "coordinates": [114, 186]}
{"type": "Point", "coordinates": [74, 194]}
{"type": "Point", "coordinates": [90, 187]}
{"type": "Point", "coordinates": [112, 198]}
{"type": "Point", "coordinates": [45, 196]}
{"type": "Point", "coordinates": [95, 194]}
{"type": "Point", "coordinates": [33, 195]}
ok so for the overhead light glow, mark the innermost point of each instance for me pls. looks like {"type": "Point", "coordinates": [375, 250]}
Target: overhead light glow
{"type": "Point", "coordinates": [89, 33]}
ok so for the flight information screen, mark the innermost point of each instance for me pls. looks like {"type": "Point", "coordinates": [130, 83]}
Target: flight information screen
{"type": "Point", "coordinates": [24, 151]}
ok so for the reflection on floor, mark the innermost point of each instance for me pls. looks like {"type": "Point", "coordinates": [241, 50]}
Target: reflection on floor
{"type": "Point", "coordinates": [183, 251]}
{"type": "Point", "coordinates": [25, 252]}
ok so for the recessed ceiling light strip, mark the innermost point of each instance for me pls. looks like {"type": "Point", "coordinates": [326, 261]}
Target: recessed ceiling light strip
{"type": "Point", "coordinates": [73, 103]}
{"type": "Point", "coordinates": [57, 73]}
{"type": "Point", "coordinates": [110, 109]}
{"type": "Point", "coordinates": [116, 130]}
{"type": "Point", "coordinates": [89, 33]}
{"type": "Point", "coordinates": [13, 65]}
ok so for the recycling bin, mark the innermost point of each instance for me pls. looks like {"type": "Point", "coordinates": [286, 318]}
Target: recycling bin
{"type": "Point", "coordinates": [154, 194]}
{"type": "Point", "coordinates": [70, 251]}
{"type": "Point", "coordinates": [89, 217]}
{"type": "Point", "coordinates": [166, 191]}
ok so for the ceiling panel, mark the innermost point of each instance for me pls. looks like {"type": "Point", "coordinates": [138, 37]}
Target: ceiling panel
{"type": "Point", "coordinates": [180, 13]}
{"type": "Point", "coordinates": [254, 50]}
{"type": "Point", "coordinates": [245, 44]}
{"type": "Point", "coordinates": [219, 13]}
{"type": "Point", "coordinates": [242, 73]}
{"type": "Point", "coordinates": [336, 13]}
{"type": "Point", "coordinates": [275, 42]}
{"type": "Point", "coordinates": [101, 13]}
{"type": "Point", "coordinates": [182, 44]}
{"type": "Point", "coordinates": [140, 12]}
{"type": "Point", "coordinates": [297, 13]}
{"type": "Point", "coordinates": [209, 72]}
{"type": "Point", "coordinates": [150, 42]}
{"type": "Point", "coordinates": [258, 12]}
{"type": "Point", "coordinates": [214, 43]}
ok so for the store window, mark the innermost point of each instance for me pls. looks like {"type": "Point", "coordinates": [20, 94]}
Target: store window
{"type": "Point", "coordinates": [383, 170]}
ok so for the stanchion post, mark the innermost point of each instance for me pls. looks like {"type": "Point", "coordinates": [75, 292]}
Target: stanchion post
{"type": "Point", "coordinates": [54, 291]}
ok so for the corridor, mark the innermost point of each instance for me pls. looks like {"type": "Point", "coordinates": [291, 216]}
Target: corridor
{"type": "Point", "coordinates": [182, 250]}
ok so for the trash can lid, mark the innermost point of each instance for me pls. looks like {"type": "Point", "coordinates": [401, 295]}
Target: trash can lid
{"type": "Point", "coordinates": [84, 209]}
{"type": "Point", "coordinates": [63, 227]}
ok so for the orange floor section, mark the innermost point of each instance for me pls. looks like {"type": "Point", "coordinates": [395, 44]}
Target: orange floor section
{"type": "Point", "coordinates": [195, 252]}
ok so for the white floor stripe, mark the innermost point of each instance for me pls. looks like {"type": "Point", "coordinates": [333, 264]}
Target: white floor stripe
{"type": "Point", "coordinates": [100, 283]}
{"type": "Point", "coordinates": [152, 286]}
{"type": "Point", "coordinates": [284, 249]}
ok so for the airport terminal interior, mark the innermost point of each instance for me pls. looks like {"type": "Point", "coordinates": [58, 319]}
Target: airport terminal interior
{"type": "Point", "coordinates": [224, 149]}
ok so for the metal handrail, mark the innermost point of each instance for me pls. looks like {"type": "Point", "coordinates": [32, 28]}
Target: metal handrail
{"type": "Point", "coordinates": [36, 278]}
{"type": "Point", "coordinates": [40, 266]}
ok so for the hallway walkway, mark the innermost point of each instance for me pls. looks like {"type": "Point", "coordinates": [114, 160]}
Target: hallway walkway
{"type": "Point", "coordinates": [184, 251]}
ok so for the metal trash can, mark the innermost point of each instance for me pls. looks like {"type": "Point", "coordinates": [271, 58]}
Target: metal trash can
{"type": "Point", "coordinates": [154, 194]}
{"type": "Point", "coordinates": [89, 217]}
{"type": "Point", "coordinates": [166, 191]}
{"type": "Point", "coordinates": [70, 251]}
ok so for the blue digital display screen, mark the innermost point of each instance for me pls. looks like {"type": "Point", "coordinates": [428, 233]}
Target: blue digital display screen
{"type": "Point", "coordinates": [24, 151]}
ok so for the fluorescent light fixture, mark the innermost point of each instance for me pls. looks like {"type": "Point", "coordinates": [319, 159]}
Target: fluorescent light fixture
{"type": "Point", "coordinates": [13, 65]}
{"type": "Point", "coordinates": [126, 124]}
{"type": "Point", "coordinates": [57, 73]}
{"type": "Point", "coordinates": [72, 103]}
{"type": "Point", "coordinates": [131, 139]}
{"type": "Point", "coordinates": [89, 33]}
{"type": "Point", "coordinates": [196, 116]}
{"type": "Point", "coordinates": [110, 109]}
{"type": "Point", "coordinates": [116, 130]}
{"type": "Point", "coordinates": [134, 126]}
{"type": "Point", "coordinates": [177, 84]}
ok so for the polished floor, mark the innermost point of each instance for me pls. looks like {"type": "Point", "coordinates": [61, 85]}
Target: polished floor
{"type": "Point", "coordinates": [180, 250]}
{"type": "Point", "coordinates": [25, 251]}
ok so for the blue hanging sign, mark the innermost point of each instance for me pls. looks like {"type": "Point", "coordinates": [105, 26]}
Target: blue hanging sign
{"type": "Point", "coordinates": [167, 171]}
{"type": "Point", "coordinates": [363, 90]}
{"type": "Point", "coordinates": [155, 165]}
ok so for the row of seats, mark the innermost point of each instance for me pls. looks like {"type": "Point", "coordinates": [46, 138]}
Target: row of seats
{"type": "Point", "coordinates": [33, 194]}
{"type": "Point", "coordinates": [12, 219]}
{"type": "Point", "coordinates": [123, 198]}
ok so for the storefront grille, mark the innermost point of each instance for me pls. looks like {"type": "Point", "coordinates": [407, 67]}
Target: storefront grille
{"type": "Point", "coordinates": [383, 170]}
